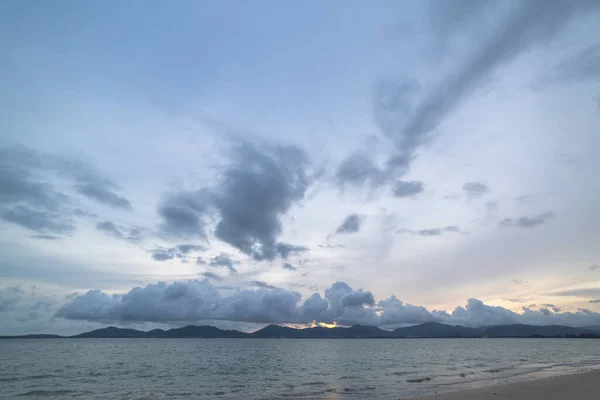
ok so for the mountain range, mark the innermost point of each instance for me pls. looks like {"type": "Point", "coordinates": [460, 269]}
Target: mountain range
{"type": "Point", "coordinates": [426, 330]}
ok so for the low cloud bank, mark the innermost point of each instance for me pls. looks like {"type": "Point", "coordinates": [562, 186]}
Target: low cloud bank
{"type": "Point", "coordinates": [198, 300]}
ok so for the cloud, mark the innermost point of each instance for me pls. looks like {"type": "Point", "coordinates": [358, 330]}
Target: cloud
{"type": "Point", "coordinates": [407, 188]}
{"type": "Point", "coordinates": [331, 246]}
{"type": "Point", "coordinates": [289, 267]}
{"type": "Point", "coordinates": [20, 185]}
{"type": "Point", "coordinates": [581, 67]}
{"type": "Point", "coordinates": [42, 221]}
{"type": "Point", "coordinates": [180, 251]}
{"type": "Point", "coordinates": [101, 193]}
{"type": "Point", "coordinates": [475, 189]}
{"type": "Point", "coordinates": [119, 232]}
{"type": "Point", "coordinates": [28, 194]}
{"type": "Point", "coordinates": [262, 285]}
{"type": "Point", "coordinates": [594, 301]}
{"type": "Point", "coordinates": [350, 225]}
{"type": "Point", "coordinates": [183, 214]}
{"type": "Point", "coordinates": [285, 250]}
{"type": "Point", "coordinates": [594, 267]}
{"type": "Point", "coordinates": [519, 282]}
{"type": "Point", "coordinates": [491, 206]}
{"type": "Point", "coordinates": [358, 170]}
{"type": "Point", "coordinates": [9, 297]}
{"type": "Point", "coordinates": [409, 116]}
{"type": "Point", "coordinates": [257, 187]}
{"type": "Point", "coordinates": [212, 275]}
{"type": "Point", "coordinates": [587, 292]}
{"type": "Point", "coordinates": [46, 237]}
{"type": "Point", "coordinates": [88, 181]}
{"type": "Point", "coordinates": [528, 221]}
{"type": "Point", "coordinates": [200, 300]}
{"type": "Point", "coordinates": [431, 231]}
{"type": "Point", "coordinates": [223, 260]}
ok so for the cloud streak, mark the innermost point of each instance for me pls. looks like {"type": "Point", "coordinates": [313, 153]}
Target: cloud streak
{"type": "Point", "coordinates": [526, 222]}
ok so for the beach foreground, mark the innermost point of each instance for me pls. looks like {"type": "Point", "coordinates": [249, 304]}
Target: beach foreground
{"type": "Point", "coordinates": [582, 386]}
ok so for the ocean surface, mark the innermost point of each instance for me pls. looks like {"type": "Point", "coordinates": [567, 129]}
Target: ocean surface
{"type": "Point", "coordinates": [278, 368]}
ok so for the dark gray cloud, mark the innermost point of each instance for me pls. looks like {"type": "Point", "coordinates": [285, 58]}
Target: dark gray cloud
{"type": "Point", "coordinates": [528, 221]}
{"type": "Point", "coordinates": [262, 285]}
{"type": "Point", "coordinates": [519, 28]}
{"type": "Point", "coordinates": [594, 301]}
{"type": "Point", "coordinates": [289, 267]}
{"type": "Point", "coordinates": [260, 185]}
{"type": "Point", "coordinates": [475, 189]}
{"type": "Point", "coordinates": [42, 221]}
{"type": "Point", "coordinates": [212, 275]}
{"type": "Point", "coordinates": [409, 116]}
{"type": "Point", "coordinates": [454, 18]}
{"type": "Point", "coordinates": [431, 231]}
{"type": "Point", "coordinates": [188, 248]}
{"type": "Point", "coordinates": [594, 267]}
{"type": "Point", "coordinates": [351, 224]}
{"type": "Point", "coordinates": [285, 250]}
{"type": "Point", "coordinates": [19, 185]}
{"type": "Point", "coordinates": [34, 165]}
{"type": "Point", "coordinates": [200, 300]}
{"type": "Point", "coordinates": [180, 251]}
{"type": "Point", "coordinates": [581, 67]}
{"type": "Point", "coordinates": [26, 200]}
{"type": "Point", "coordinates": [183, 214]}
{"type": "Point", "coordinates": [223, 260]}
{"type": "Point", "coordinates": [47, 237]}
{"type": "Point", "coordinates": [407, 188]}
{"type": "Point", "coordinates": [358, 170]}
{"type": "Point", "coordinates": [102, 194]}
{"type": "Point", "coordinates": [162, 254]}
{"type": "Point", "coordinates": [28, 193]}
{"type": "Point", "coordinates": [119, 232]}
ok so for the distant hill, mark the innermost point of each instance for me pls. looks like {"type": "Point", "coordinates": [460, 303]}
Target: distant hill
{"type": "Point", "coordinates": [427, 330]}
{"type": "Point", "coordinates": [33, 336]}
{"type": "Point", "coordinates": [437, 330]}
{"type": "Point", "coordinates": [531, 330]}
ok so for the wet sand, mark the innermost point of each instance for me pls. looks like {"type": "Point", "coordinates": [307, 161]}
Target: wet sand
{"type": "Point", "coordinates": [582, 386]}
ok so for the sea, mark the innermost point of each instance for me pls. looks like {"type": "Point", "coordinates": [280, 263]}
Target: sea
{"type": "Point", "coordinates": [278, 368]}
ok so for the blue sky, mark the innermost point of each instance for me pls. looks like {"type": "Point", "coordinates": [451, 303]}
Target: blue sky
{"type": "Point", "coordinates": [401, 157]}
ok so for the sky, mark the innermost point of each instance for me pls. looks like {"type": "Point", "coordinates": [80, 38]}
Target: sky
{"type": "Point", "coordinates": [238, 164]}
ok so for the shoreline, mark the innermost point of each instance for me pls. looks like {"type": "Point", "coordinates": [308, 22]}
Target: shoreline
{"type": "Point", "coordinates": [584, 385]}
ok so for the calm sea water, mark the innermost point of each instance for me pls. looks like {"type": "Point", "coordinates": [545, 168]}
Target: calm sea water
{"type": "Point", "coordinates": [277, 368]}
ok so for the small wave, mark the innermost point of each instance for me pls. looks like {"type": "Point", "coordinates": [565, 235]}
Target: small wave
{"type": "Point", "coordinates": [313, 383]}
{"type": "Point", "coordinates": [464, 374]}
{"type": "Point", "coordinates": [397, 373]}
{"type": "Point", "coordinates": [496, 370]}
{"type": "Point", "coordinates": [38, 393]}
{"type": "Point", "coordinates": [419, 380]}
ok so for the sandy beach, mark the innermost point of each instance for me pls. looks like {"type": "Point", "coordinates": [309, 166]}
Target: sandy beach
{"type": "Point", "coordinates": [583, 386]}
